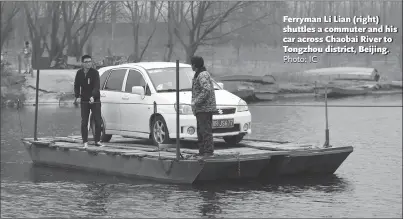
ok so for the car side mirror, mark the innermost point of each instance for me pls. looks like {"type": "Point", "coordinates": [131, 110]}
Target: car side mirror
{"type": "Point", "coordinates": [221, 85]}
{"type": "Point", "coordinates": [139, 90]}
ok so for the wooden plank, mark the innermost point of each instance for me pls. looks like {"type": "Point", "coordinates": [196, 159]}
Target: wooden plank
{"type": "Point", "coordinates": [241, 151]}
{"type": "Point", "coordinates": [278, 147]}
{"type": "Point", "coordinates": [133, 146]}
{"type": "Point", "coordinates": [67, 139]}
{"type": "Point", "coordinates": [111, 149]}
{"type": "Point", "coordinates": [258, 144]}
{"type": "Point", "coordinates": [231, 152]}
{"type": "Point", "coordinates": [183, 151]}
{"type": "Point", "coordinates": [112, 145]}
{"type": "Point", "coordinates": [137, 154]}
{"type": "Point", "coordinates": [67, 145]}
{"type": "Point", "coordinates": [121, 144]}
{"type": "Point", "coordinates": [265, 141]}
{"type": "Point", "coordinates": [161, 155]}
{"type": "Point", "coordinates": [118, 151]}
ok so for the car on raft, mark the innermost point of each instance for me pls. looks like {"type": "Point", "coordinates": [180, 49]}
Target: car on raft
{"type": "Point", "coordinates": [139, 100]}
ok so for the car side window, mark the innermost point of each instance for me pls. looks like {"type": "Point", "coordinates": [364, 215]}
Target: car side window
{"type": "Point", "coordinates": [103, 78]}
{"type": "Point", "coordinates": [135, 78]}
{"type": "Point", "coordinates": [115, 80]}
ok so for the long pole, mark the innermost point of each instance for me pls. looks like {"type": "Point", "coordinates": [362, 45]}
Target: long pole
{"type": "Point", "coordinates": [36, 105]}
{"type": "Point", "coordinates": [327, 132]}
{"type": "Point", "coordinates": [178, 107]}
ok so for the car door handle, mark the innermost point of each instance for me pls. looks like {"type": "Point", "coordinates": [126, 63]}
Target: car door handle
{"type": "Point", "coordinates": [103, 95]}
{"type": "Point", "coordinates": [125, 98]}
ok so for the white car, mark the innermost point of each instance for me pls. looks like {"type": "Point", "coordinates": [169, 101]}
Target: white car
{"type": "Point", "coordinates": [139, 100]}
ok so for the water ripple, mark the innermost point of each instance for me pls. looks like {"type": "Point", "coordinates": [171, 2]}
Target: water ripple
{"type": "Point", "coordinates": [368, 183]}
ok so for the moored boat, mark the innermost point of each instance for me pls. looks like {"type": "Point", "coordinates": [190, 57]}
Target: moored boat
{"type": "Point", "coordinates": [343, 91]}
{"type": "Point", "coordinates": [244, 90]}
{"type": "Point", "coordinates": [342, 73]}
{"type": "Point", "coordinates": [397, 84]}
{"type": "Point", "coordinates": [266, 79]}
{"type": "Point", "coordinates": [266, 95]}
{"type": "Point", "coordinates": [344, 81]}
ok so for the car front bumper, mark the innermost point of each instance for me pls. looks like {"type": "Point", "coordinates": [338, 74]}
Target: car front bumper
{"type": "Point", "coordinates": [242, 125]}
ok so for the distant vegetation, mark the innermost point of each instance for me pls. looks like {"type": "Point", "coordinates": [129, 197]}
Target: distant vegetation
{"type": "Point", "coordinates": [234, 37]}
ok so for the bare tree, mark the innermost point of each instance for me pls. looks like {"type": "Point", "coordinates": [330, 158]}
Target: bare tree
{"type": "Point", "coordinates": [54, 11]}
{"type": "Point", "coordinates": [152, 11]}
{"type": "Point", "coordinates": [75, 36]}
{"type": "Point", "coordinates": [200, 22]}
{"type": "Point", "coordinates": [8, 11]}
{"type": "Point", "coordinates": [171, 20]}
{"type": "Point", "coordinates": [137, 11]}
{"type": "Point", "coordinates": [38, 16]}
{"type": "Point", "coordinates": [42, 16]}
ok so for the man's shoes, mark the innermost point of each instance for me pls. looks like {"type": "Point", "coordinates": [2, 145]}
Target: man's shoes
{"type": "Point", "coordinates": [99, 144]}
{"type": "Point", "coordinates": [85, 145]}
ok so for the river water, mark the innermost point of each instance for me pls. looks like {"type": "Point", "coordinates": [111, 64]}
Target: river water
{"type": "Point", "coordinates": [367, 184]}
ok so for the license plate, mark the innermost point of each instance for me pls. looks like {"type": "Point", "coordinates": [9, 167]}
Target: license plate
{"type": "Point", "coordinates": [223, 123]}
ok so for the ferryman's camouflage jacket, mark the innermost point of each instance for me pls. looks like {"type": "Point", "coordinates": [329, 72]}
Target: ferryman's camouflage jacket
{"type": "Point", "coordinates": [203, 93]}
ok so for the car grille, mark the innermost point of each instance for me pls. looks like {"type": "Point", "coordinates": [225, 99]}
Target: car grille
{"type": "Point", "coordinates": [225, 111]}
{"type": "Point", "coordinates": [236, 128]}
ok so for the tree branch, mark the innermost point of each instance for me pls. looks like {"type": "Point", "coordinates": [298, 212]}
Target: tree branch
{"type": "Point", "coordinates": [243, 26]}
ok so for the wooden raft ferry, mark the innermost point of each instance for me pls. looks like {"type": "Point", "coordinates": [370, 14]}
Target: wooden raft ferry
{"type": "Point", "coordinates": [253, 159]}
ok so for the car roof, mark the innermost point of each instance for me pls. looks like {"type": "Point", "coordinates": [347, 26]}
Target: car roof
{"type": "Point", "coordinates": [151, 65]}
{"type": "Point", "coordinates": [145, 65]}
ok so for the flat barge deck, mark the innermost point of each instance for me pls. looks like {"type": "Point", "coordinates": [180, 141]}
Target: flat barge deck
{"type": "Point", "coordinates": [251, 159]}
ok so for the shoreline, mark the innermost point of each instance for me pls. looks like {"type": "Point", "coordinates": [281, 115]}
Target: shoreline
{"type": "Point", "coordinates": [56, 88]}
{"type": "Point", "coordinates": [60, 100]}
{"type": "Point", "coordinates": [311, 96]}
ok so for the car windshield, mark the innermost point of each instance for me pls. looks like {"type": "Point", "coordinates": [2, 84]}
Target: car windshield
{"type": "Point", "coordinates": [164, 79]}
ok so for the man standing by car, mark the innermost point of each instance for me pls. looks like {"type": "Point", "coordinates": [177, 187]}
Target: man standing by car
{"type": "Point", "coordinates": [87, 86]}
{"type": "Point", "coordinates": [203, 104]}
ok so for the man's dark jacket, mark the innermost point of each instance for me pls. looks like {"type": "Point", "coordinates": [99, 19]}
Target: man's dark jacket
{"type": "Point", "coordinates": [89, 84]}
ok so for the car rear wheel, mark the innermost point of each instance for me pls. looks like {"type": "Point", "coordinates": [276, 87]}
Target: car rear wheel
{"type": "Point", "coordinates": [235, 139]}
{"type": "Point", "coordinates": [159, 131]}
{"type": "Point", "coordinates": [104, 137]}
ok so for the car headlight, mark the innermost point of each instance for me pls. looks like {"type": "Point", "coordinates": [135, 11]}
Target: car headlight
{"type": "Point", "coordinates": [184, 109]}
{"type": "Point", "coordinates": [242, 106]}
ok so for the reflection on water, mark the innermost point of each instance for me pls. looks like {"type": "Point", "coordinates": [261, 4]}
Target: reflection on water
{"type": "Point", "coordinates": [361, 187]}
{"type": "Point", "coordinates": [210, 206]}
{"type": "Point", "coordinates": [97, 195]}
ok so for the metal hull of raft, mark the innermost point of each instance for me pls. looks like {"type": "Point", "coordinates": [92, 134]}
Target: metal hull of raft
{"type": "Point", "coordinates": [135, 158]}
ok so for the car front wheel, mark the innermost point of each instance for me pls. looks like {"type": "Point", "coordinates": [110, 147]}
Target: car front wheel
{"type": "Point", "coordinates": [159, 131]}
{"type": "Point", "coordinates": [235, 139]}
{"type": "Point", "coordinates": [104, 137]}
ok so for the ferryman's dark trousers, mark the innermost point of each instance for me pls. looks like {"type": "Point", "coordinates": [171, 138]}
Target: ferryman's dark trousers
{"type": "Point", "coordinates": [96, 114]}
{"type": "Point", "coordinates": [204, 131]}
